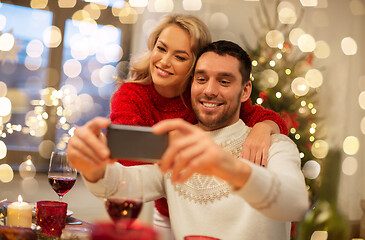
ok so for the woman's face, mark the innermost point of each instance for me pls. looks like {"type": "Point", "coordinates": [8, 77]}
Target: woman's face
{"type": "Point", "coordinates": [171, 59]}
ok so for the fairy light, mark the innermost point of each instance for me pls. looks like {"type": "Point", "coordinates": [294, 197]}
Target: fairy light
{"type": "Point", "coordinates": [312, 130]}
{"type": "Point", "coordinates": [312, 138]}
{"type": "Point", "coordinates": [254, 63]}
{"type": "Point", "coordinates": [278, 94]}
{"type": "Point", "coordinates": [310, 105]}
{"type": "Point", "coordinates": [297, 136]}
{"type": "Point", "coordinates": [279, 56]}
{"type": "Point", "coordinates": [259, 101]}
{"type": "Point", "coordinates": [287, 71]}
{"type": "Point", "coordinates": [293, 130]}
{"type": "Point", "coordinates": [313, 111]}
{"type": "Point", "coordinates": [313, 125]}
{"type": "Point", "coordinates": [272, 63]}
{"type": "Point", "coordinates": [301, 155]}
{"type": "Point", "coordinates": [303, 103]}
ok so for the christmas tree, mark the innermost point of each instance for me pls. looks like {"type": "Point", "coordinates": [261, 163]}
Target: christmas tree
{"type": "Point", "coordinates": [285, 80]}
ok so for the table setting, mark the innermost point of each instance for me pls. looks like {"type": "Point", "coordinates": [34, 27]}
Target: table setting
{"type": "Point", "coordinates": [46, 219]}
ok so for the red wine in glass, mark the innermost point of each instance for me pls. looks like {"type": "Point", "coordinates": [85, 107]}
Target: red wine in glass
{"type": "Point", "coordinates": [123, 209]}
{"type": "Point", "coordinates": [126, 203]}
{"type": "Point", "coordinates": [61, 185]}
{"type": "Point", "coordinates": [61, 175]}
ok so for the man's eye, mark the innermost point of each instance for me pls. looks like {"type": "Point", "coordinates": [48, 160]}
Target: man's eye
{"type": "Point", "coordinates": [224, 82]}
{"type": "Point", "coordinates": [200, 79]}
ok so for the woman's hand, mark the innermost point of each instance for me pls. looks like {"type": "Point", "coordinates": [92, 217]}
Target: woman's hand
{"type": "Point", "coordinates": [257, 144]}
{"type": "Point", "coordinates": [87, 150]}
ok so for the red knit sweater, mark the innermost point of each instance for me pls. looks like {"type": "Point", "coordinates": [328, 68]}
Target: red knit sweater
{"type": "Point", "coordinates": [137, 104]}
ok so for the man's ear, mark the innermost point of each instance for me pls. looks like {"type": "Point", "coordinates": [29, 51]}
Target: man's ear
{"type": "Point", "coordinates": [246, 92]}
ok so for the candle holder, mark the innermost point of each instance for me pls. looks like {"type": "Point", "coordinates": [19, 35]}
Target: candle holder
{"type": "Point", "coordinates": [51, 217]}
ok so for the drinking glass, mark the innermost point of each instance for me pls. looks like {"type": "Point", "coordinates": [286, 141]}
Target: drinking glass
{"type": "Point", "coordinates": [126, 203]}
{"type": "Point", "coordinates": [61, 175]}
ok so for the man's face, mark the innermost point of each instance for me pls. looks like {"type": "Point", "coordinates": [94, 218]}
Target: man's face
{"type": "Point", "coordinates": [217, 91]}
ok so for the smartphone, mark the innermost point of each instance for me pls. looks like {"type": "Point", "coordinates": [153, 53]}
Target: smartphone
{"type": "Point", "coordinates": [135, 143]}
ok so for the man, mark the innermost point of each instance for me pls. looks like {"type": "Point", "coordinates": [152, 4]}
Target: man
{"type": "Point", "coordinates": [209, 189]}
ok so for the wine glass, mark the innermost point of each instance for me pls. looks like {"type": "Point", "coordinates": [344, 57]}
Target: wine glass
{"type": "Point", "coordinates": [61, 175]}
{"type": "Point", "coordinates": [126, 203]}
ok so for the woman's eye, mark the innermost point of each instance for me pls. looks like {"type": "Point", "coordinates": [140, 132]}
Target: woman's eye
{"type": "Point", "coordinates": [160, 48]}
{"type": "Point", "coordinates": [181, 58]}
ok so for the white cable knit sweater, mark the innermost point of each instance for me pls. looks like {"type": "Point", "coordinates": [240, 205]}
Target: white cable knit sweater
{"type": "Point", "coordinates": [205, 205]}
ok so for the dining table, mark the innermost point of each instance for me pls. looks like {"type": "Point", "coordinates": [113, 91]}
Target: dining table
{"type": "Point", "coordinates": [74, 229]}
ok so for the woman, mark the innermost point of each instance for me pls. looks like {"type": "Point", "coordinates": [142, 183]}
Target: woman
{"type": "Point", "coordinates": [159, 88]}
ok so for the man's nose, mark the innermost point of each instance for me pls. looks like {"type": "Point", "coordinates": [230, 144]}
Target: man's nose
{"type": "Point", "coordinates": [211, 88]}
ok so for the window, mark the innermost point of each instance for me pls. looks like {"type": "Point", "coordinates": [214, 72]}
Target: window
{"type": "Point", "coordinates": [63, 76]}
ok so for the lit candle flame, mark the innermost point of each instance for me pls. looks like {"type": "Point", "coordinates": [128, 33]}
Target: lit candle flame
{"type": "Point", "coordinates": [20, 199]}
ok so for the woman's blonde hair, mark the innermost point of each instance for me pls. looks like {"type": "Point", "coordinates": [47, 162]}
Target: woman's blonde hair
{"type": "Point", "coordinates": [200, 36]}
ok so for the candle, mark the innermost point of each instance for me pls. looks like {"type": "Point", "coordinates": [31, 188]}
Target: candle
{"type": "Point", "coordinates": [19, 214]}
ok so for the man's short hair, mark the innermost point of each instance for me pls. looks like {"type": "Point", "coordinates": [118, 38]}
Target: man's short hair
{"type": "Point", "coordinates": [223, 48]}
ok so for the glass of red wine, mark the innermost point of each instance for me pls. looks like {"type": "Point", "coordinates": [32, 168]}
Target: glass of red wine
{"type": "Point", "coordinates": [61, 175]}
{"type": "Point", "coordinates": [126, 203]}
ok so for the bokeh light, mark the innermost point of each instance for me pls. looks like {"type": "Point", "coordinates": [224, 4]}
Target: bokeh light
{"type": "Point", "coordinates": [319, 235]}
{"type": "Point", "coordinates": [5, 106]}
{"type": "Point", "coordinates": [40, 4]}
{"type": "Point", "coordinates": [311, 169]}
{"type": "Point", "coordinates": [52, 37]}
{"type": "Point", "coordinates": [32, 64]}
{"type": "Point", "coordinates": [320, 149]}
{"type": "Point", "coordinates": [88, 27]}
{"type": "Point", "coordinates": [357, 7]}
{"type": "Point", "coordinates": [349, 166]}
{"type": "Point", "coordinates": [66, 3]}
{"type": "Point", "coordinates": [309, 3]}
{"type": "Point", "coordinates": [362, 125]}
{"type": "Point", "coordinates": [299, 86]}
{"type": "Point", "coordinates": [362, 100]}
{"type": "Point", "coordinates": [322, 50]}
{"type": "Point", "coordinates": [274, 38]}
{"type": "Point", "coordinates": [138, 3]}
{"type": "Point", "coordinates": [6, 173]}
{"type": "Point", "coordinates": [7, 42]}
{"type": "Point", "coordinates": [268, 79]}
{"type": "Point", "coordinates": [45, 148]}
{"type": "Point", "coordinates": [108, 73]}
{"type": "Point", "coordinates": [164, 5]}
{"type": "Point", "coordinates": [113, 53]}
{"type": "Point", "coordinates": [219, 21]}
{"type": "Point", "coordinates": [27, 169]}
{"type": "Point", "coordinates": [192, 5]}
{"type": "Point", "coordinates": [306, 43]}
{"type": "Point", "coordinates": [351, 145]}
{"type": "Point", "coordinates": [72, 68]}
{"type": "Point", "coordinates": [93, 10]}
{"type": "Point", "coordinates": [35, 48]}
{"type": "Point", "coordinates": [128, 15]}
{"type": "Point", "coordinates": [287, 15]}
{"type": "Point", "coordinates": [3, 149]}
{"type": "Point", "coordinates": [314, 78]}
{"type": "Point", "coordinates": [349, 46]}
{"type": "Point", "coordinates": [3, 89]}
{"type": "Point", "coordinates": [295, 34]}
